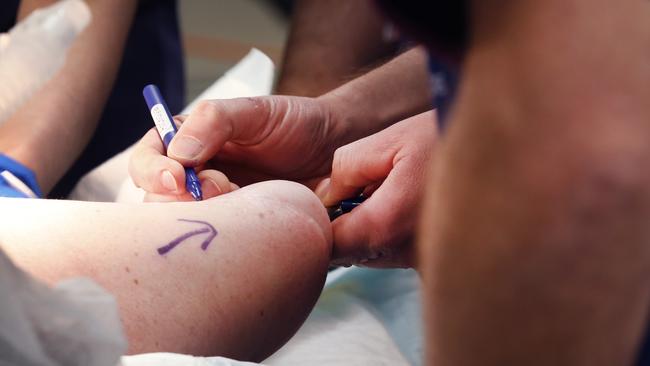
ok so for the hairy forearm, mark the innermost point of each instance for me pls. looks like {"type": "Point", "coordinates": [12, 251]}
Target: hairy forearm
{"type": "Point", "coordinates": [534, 238]}
{"type": "Point", "coordinates": [51, 129]}
{"type": "Point", "coordinates": [396, 90]}
{"type": "Point", "coordinates": [208, 278]}
{"type": "Point", "coordinates": [331, 42]}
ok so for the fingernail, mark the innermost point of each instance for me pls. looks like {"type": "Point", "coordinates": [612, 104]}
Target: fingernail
{"type": "Point", "coordinates": [186, 147]}
{"type": "Point", "coordinates": [210, 188]}
{"type": "Point", "coordinates": [168, 181]}
{"type": "Point", "coordinates": [323, 189]}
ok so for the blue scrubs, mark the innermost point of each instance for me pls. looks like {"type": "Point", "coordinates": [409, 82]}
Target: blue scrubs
{"type": "Point", "coordinates": [153, 55]}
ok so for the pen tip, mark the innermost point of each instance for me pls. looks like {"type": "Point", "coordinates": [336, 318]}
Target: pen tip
{"type": "Point", "coordinates": [197, 196]}
{"type": "Point", "coordinates": [194, 187]}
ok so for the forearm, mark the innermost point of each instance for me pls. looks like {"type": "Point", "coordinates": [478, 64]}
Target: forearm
{"type": "Point", "coordinates": [395, 91]}
{"type": "Point", "coordinates": [51, 129]}
{"type": "Point", "coordinates": [534, 239]}
{"type": "Point", "coordinates": [331, 42]}
{"type": "Point", "coordinates": [228, 297]}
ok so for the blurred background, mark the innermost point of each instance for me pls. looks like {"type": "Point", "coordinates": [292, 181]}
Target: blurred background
{"type": "Point", "coordinates": [217, 33]}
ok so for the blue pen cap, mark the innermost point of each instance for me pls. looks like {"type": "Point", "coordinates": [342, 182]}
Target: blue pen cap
{"type": "Point", "coordinates": [160, 113]}
{"type": "Point", "coordinates": [152, 96]}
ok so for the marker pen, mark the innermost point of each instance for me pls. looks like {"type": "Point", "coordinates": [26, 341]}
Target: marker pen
{"type": "Point", "coordinates": [345, 207]}
{"type": "Point", "coordinates": [167, 130]}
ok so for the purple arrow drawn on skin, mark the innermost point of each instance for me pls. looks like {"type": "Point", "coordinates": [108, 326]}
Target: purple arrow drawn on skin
{"type": "Point", "coordinates": [208, 228]}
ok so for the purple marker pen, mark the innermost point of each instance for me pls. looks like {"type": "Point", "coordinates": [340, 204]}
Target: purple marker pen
{"type": "Point", "coordinates": [167, 130]}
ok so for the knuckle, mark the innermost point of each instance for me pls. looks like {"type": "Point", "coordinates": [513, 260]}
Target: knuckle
{"type": "Point", "coordinates": [135, 167]}
{"type": "Point", "coordinates": [268, 109]}
{"type": "Point", "coordinates": [207, 109]}
{"type": "Point", "coordinates": [260, 102]}
{"type": "Point", "coordinates": [340, 160]}
{"type": "Point", "coordinates": [150, 138]}
{"type": "Point", "coordinates": [179, 119]}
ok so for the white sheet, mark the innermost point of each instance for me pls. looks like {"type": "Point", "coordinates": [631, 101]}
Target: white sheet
{"type": "Point", "coordinates": [363, 317]}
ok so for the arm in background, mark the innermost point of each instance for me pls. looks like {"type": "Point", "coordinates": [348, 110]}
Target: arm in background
{"type": "Point", "coordinates": [233, 276]}
{"type": "Point", "coordinates": [51, 129]}
{"type": "Point", "coordinates": [383, 96]}
{"type": "Point", "coordinates": [330, 42]}
{"type": "Point", "coordinates": [534, 244]}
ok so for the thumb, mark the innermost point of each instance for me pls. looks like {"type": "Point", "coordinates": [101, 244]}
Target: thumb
{"type": "Point", "coordinates": [356, 166]}
{"type": "Point", "coordinates": [212, 123]}
{"type": "Point", "coordinates": [379, 232]}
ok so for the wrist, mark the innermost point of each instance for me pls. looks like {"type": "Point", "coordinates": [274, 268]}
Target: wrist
{"type": "Point", "coordinates": [351, 117]}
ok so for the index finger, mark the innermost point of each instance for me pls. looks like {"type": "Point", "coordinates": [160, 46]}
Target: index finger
{"type": "Point", "coordinates": [152, 170]}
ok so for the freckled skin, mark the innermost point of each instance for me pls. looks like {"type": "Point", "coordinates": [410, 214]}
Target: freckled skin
{"type": "Point", "coordinates": [243, 297]}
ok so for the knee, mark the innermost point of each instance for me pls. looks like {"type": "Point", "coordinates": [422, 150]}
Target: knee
{"type": "Point", "coordinates": [299, 199]}
{"type": "Point", "coordinates": [296, 211]}
{"type": "Point", "coordinates": [297, 250]}
{"type": "Point", "coordinates": [587, 194]}
{"type": "Point", "coordinates": [597, 185]}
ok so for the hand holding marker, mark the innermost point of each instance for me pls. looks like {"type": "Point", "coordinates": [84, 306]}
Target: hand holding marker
{"type": "Point", "coordinates": [167, 130]}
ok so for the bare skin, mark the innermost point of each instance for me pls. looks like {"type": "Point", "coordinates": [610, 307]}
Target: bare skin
{"type": "Point", "coordinates": [281, 137]}
{"type": "Point", "coordinates": [241, 295]}
{"type": "Point", "coordinates": [534, 241]}
{"type": "Point", "coordinates": [330, 43]}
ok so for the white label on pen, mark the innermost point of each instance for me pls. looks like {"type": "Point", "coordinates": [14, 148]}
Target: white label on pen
{"type": "Point", "coordinates": [162, 121]}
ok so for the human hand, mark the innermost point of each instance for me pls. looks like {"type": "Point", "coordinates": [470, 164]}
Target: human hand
{"type": "Point", "coordinates": [390, 166]}
{"type": "Point", "coordinates": [249, 139]}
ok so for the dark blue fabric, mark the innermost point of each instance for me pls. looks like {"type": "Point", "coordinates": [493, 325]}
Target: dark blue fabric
{"type": "Point", "coordinates": [19, 171]}
{"type": "Point", "coordinates": [8, 13]}
{"type": "Point", "coordinates": [444, 80]}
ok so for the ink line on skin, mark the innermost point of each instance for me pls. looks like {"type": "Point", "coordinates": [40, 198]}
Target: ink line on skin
{"type": "Point", "coordinates": [208, 228]}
